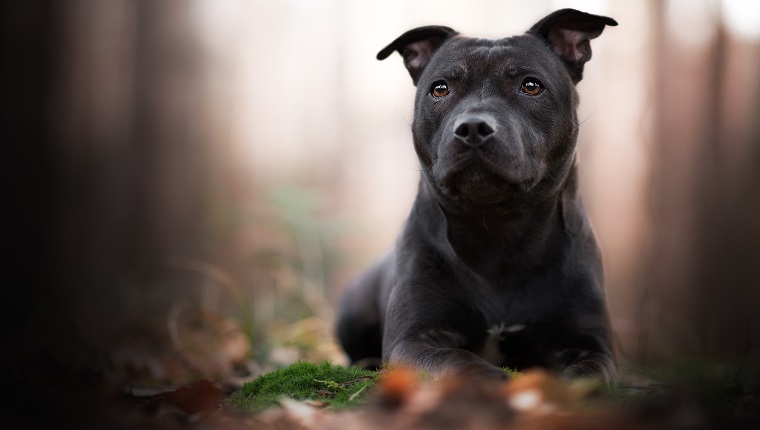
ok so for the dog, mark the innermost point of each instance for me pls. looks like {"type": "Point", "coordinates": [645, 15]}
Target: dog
{"type": "Point", "coordinates": [497, 264]}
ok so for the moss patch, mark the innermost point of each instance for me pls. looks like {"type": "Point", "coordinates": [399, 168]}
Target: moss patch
{"type": "Point", "coordinates": [512, 372]}
{"type": "Point", "coordinates": [336, 386]}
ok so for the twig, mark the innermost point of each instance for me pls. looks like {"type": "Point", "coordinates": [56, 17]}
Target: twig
{"type": "Point", "coordinates": [353, 396]}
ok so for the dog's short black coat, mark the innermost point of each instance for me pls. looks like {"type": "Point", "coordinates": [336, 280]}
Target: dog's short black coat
{"type": "Point", "coordinates": [497, 264]}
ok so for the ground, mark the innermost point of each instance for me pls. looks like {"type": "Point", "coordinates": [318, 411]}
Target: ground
{"type": "Point", "coordinates": [155, 389]}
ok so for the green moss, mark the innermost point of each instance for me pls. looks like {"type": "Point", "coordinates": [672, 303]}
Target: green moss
{"type": "Point", "coordinates": [338, 386]}
{"type": "Point", "coordinates": [512, 372]}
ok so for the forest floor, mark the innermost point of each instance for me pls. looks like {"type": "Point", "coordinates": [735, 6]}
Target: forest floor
{"type": "Point", "coordinates": [205, 376]}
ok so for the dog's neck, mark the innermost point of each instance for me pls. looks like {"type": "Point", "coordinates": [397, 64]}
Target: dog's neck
{"type": "Point", "coordinates": [491, 240]}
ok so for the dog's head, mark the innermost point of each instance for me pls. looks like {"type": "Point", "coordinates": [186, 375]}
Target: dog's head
{"type": "Point", "coordinates": [495, 120]}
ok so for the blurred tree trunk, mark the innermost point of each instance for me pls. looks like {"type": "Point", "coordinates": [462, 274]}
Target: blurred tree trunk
{"type": "Point", "coordinates": [107, 169]}
{"type": "Point", "coordinates": [702, 296]}
{"type": "Point", "coordinates": [130, 148]}
{"type": "Point", "coordinates": [28, 63]}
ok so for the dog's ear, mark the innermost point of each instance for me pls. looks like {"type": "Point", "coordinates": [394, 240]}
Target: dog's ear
{"type": "Point", "coordinates": [568, 32]}
{"type": "Point", "coordinates": [417, 46]}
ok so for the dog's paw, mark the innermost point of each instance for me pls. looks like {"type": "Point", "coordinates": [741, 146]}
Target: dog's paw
{"type": "Point", "coordinates": [589, 369]}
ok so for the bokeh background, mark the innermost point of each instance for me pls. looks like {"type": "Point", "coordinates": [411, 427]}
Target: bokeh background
{"type": "Point", "coordinates": [193, 183]}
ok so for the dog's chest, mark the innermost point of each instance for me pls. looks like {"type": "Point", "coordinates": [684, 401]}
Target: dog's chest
{"type": "Point", "coordinates": [516, 323]}
{"type": "Point", "coordinates": [496, 334]}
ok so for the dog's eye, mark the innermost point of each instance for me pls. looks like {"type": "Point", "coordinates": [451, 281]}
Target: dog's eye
{"type": "Point", "coordinates": [440, 89]}
{"type": "Point", "coordinates": [532, 86]}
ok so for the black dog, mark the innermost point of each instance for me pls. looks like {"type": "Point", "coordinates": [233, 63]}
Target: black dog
{"type": "Point", "coordinates": [497, 264]}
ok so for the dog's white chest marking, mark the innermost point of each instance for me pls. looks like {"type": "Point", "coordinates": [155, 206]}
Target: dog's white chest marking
{"type": "Point", "coordinates": [491, 351]}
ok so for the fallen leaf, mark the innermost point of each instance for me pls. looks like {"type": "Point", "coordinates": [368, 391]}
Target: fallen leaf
{"type": "Point", "coordinates": [193, 401]}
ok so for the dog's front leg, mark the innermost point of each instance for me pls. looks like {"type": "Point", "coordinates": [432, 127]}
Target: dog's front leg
{"type": "Point", "coordinates": [439, 353]}
{"type": "Point", "coordinates": [595, 365]}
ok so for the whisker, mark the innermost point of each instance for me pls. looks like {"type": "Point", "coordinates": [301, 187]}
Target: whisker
{"type": "Point", "coordinates": [484, 219]}
{"type": "Point", "coordinates": [589, 116]}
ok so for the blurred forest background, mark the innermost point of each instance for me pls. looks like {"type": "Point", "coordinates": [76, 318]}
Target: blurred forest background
{"type": "Point", "coordinates": [190, 184]}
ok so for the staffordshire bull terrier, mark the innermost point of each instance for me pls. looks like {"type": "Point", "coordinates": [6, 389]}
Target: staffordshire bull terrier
{"type": "Point", "coordinates": [497, 264]}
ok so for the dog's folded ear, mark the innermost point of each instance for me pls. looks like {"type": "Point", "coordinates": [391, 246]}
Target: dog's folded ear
{"type": "Point", "coordinates": [417, 46]}
{"type": "Point", "coordinates": [568, 32]}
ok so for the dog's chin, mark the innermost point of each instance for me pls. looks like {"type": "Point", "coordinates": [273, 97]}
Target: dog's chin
{"type": "Point", "coordinates": [477, 186]}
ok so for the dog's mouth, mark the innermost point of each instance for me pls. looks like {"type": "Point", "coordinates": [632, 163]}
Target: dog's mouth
{"type": "Point", "coordinates": [486, 176]}
{"type": "Point", "coordinates": [476, 183]}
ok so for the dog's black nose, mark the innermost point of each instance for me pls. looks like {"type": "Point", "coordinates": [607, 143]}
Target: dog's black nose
{"type": "Point", "coordinates": [474, 130]}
